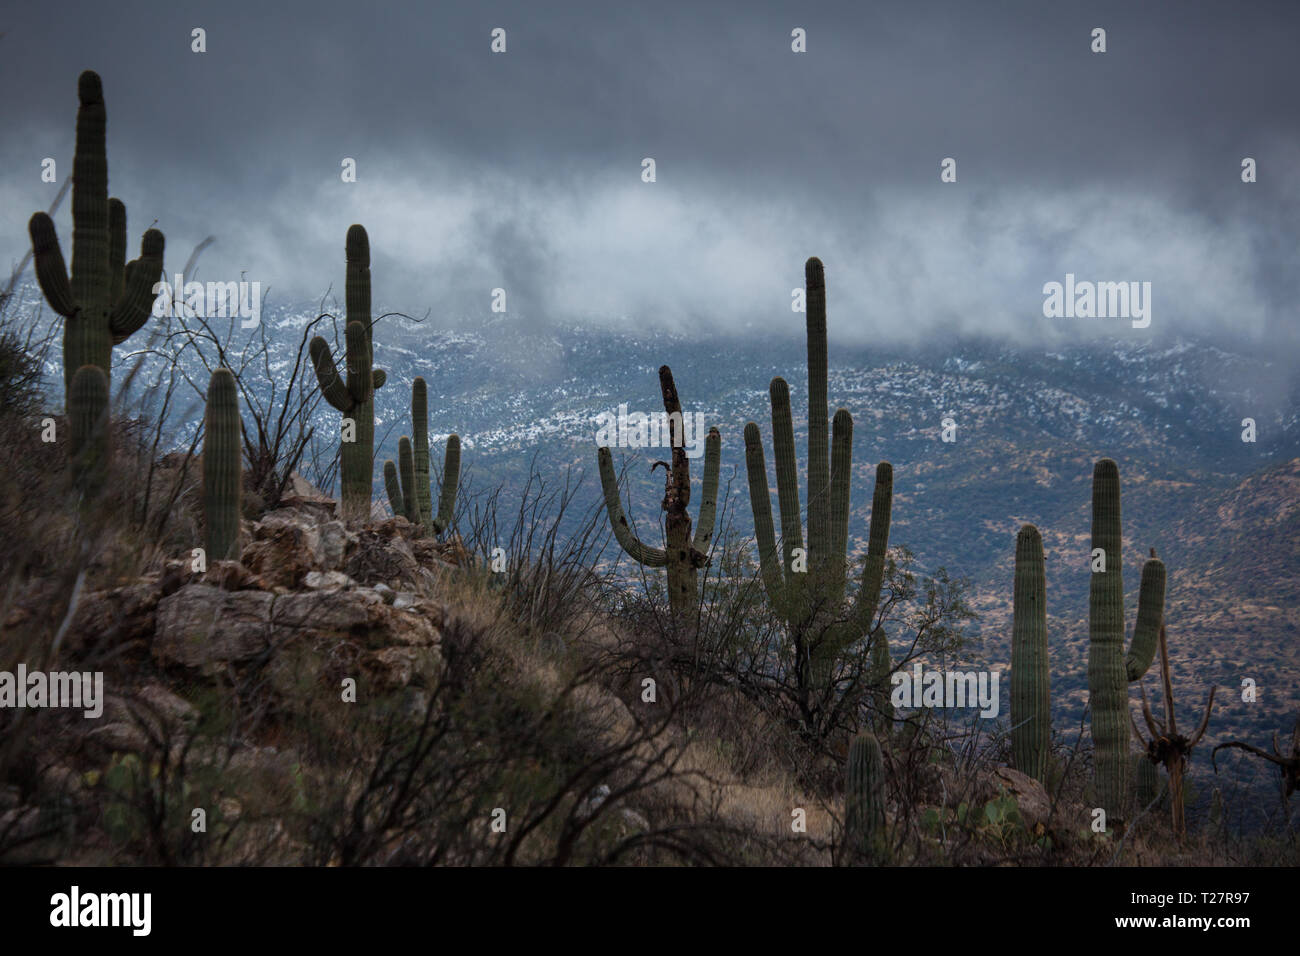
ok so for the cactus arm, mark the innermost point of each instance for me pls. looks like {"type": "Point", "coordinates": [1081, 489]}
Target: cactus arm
{"type": "Point", "coordinates": [135, 302]}
{"type": "Point", "coordinates": [51, 271]}
{"type": "Point", "coordinates": [222, 467]}
{"type": "Point", "coordinates": [873, 568]}
{"type": "Point", "coordinates": [327, 374]}
{"type": "Point", "coordinates": [819, 478]}
{"type": "Point", "coordinates": [643, 554]}
{"type": "Point", "coordinates": [450, 485]}
{"type": "Point", "coordinates": [774, 579]}
{"type": "Point", "coordinates": [709, 497]}
{"type": "Point", "coordinates": [1150, 613]}
{"type": "Point", "coordinates": [393, 488]}
{"type": "Point", "coordinates": [420, 427]}
{"type": "Point", "coordinates": [787, 481]}
{"type": "Point", "coordinates": [841, 475]}
{"type": "Point", "coordinates": [406, 468]}
{"type": "Point", "coordinates": [360, 381]}
{"type": "Point", "coordinates": [377, 379]}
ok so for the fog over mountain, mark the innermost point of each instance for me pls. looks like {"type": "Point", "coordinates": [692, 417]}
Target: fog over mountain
{"type": "Point", "coordinates": [522, 170]}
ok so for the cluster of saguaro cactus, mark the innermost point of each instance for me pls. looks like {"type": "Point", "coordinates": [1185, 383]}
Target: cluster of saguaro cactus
{"type": "Point", "coordinates": [222, 467]}
{"type": "Point", "coordinates": [864, 799]}
{"type": "Point", "coordinates": [408, 482]}
{"type": "Point", "coordinates": [807, 588]}
{"type": "Point", "coordinates": [1109, 668]}
{"type": "Point", "coordinates": [105, 300]}
{"type": "Point", "coordinates": [1031, 704]}
{"type": "Point", "coordinates": [683, 555]}
{"type": "Point", "coordinates": [355, 395]}
{"type": "Point", "coordinates": [90, 444]}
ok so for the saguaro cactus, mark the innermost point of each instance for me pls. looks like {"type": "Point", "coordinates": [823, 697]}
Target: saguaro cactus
{"type": "Point", "coordinates": [807, 588]}
{"type": "Point", "coordinates": [864, 798]}
{"type": "Point", "coordinates": [410, 494]}
{"type": "Point", "coordinates": [355, 396]}
{"type": "Point", "coordinates": [1031, 705]}
{"type": "Point", "coordinates": [104, 301]}
{"type": "Point", "coordinates": [682, 556]}
{"type": "Point", "coordinates": [1109, 669]}
{"type": "Point", "coordinates": [90, 444]}
{"type": "Point", "coordinates": [222, 467]}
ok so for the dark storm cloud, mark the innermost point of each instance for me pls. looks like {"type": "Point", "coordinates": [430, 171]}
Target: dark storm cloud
{"type": "Point", "coordinates": [522, 170]}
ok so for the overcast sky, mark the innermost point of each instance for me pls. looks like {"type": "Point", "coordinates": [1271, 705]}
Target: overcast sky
{"type": "Point", "coordinates": [523, 170]}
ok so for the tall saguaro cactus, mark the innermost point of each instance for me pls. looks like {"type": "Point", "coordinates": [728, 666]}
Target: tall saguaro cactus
{"type": "Point", "coordinates": [683, 555]}
{"type": "Point", "coordinates": [355, 395]}
{"type": "Point", "coordinates": [222, 467]}
{"type": "Point", "coordinates": [807, 588]}
{"type": "Point", "coordinates": [1109, 668]}
{"type": "Point", "coordinates": [1031, 705]}
{"type": "Point", "coordinates": [106, 299]}
{"type": "Point", "coordinates": [409, 488]}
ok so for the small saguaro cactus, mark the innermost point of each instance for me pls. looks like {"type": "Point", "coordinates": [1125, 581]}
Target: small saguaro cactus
{"type": "Point", "coordinates": [409, 490]}
{"type": "Point", "coordinates": [864, 798]}
{"type": "Point", "coordinates": [90, 444]}
{"type": "Point", "coordinates": [1031, 704]}
{"type": "Point", "coordinates": [222, 467]}
{"type": "Point", "coordinates": [355, 395]}
{"type": "Point", "coordinates": [106, 299]}
{"type": "Point", "coordinates": [807, 589]}
{"type": "Point", "coordinates": [683, 556]}
{"type": "Point", "coordinates": [1109, 668]}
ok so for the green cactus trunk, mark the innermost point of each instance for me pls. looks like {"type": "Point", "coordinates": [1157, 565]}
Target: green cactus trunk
{"type": "Point", "coordinates": [1109, 669]}
{"type": "Point", "coordinates": [222, 467]}
{"type": "Point", "coordinates": [864, 800]}
{"type": "Point", "coordinates": [683, 555]}
{"type": "Point", "coordinates": [808, 589]}
{"type": "Point", "coordinates": [90, 444]}
{"type": "Point", "coordinates": [354, 397]}
{"type": "Point", "coordinates": [1031, 705]}
{"type": "Point", "coordinates": [106, 299]}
